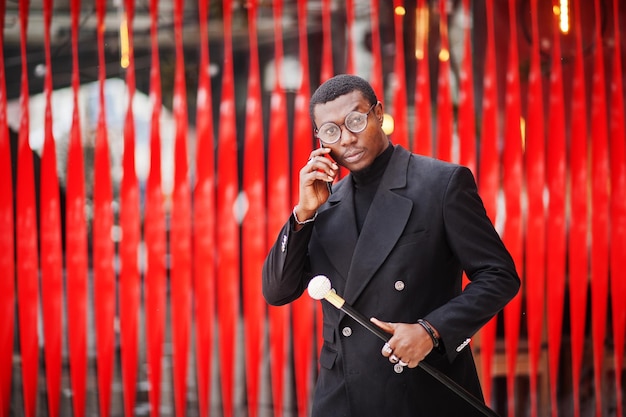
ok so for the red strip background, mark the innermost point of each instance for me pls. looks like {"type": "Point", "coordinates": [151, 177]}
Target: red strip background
{"type": "Point", "coordinates": [535, 230]}
{"type": "Point", "coordinates": [618, 210]}
{"type": "Point", "coordinates": [103, 249]}
{"type": "Point", "coordinates": [130, 225]}
{"type": "Point", "coordinates": [254, 247]}
{"type": "Point", "coordinates": [7, 252]}
{"type": "Point", "coordinates": [489, 178]}
{"type": "Point", "coordinates": [51, 252]}
{"type": "Point", "coordinates": [596, 199]}
{"type": "Point", "coordinates": [512, 177]}
{"type": "Point", "coordinates": [599, 208]}
{"type": "Point", "coordinates": [555, 236]}
{"type": "Point", "coordinates": [26, 230]}
{"type": "Point", "coordinates": [154, 231]}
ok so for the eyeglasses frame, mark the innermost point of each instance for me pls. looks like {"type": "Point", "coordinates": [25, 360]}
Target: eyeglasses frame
{"type": "Point", "coordinates": [367, 114]}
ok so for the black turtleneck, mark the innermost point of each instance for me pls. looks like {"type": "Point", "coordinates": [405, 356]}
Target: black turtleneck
{"type": "Point", "coordinates": [366, 183]}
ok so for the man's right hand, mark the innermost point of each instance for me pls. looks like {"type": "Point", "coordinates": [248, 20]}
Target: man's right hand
{"type": "Point", "coordinates": [314, 176]}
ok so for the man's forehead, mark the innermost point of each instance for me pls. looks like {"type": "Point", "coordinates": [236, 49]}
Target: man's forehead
{"type": "Point", "coordinates": [340, 106]}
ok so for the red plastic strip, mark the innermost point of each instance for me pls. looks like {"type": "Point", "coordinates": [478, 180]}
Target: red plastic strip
{"type": "Point", "coordinates": [204, 221]}
{"type": "Point", "coordinates": [227, 227]}
{"type": "Point", "coordinates": [76, 241]}
{"type": "Point", "coordinates": [444, 98]}
{"type": "Point", "coordinates": [535, 226]}
{"type": "Point", "coordinates": [466, 111]}
{"type": "Point", "coordinates": [278, 203]}
{"type": "Point", "coordinates": [600, 209]}
{"type": "Point", "coordinates": [618, 211]}
{"type": "Point", "coordinates": [154, 231]}
{"type": "Point", "coordinates": [51, 251]}
{"type": "Point", "coordinates": [512, 174]}
{"type": "Point", "coordinates": [302, 130]}
{"type": "Point", "coordinates": [350, 69]}
{"type": "Point", "coordinates": [103, 249]}
{"type": "Point", "coordinates": [327, 70]}
{"type": "Point", "coordinates": [180, 233]}
{"type": "Point", "coordinates": [26, 227]}
{"type": "Point", "coordinates": [7, 251]}
{"type": "Point", "coordinates": [302, 145]}
{"type": "Point", "coordinates": [130, 223]}
{"type": "Point", "coordinates": [578, 227]}
{"type": "Point", "coordinates": [401, 124]}
{"type": "Point", "coordinates": [350, 52]}
{"type": "Point", "coordinates": [422, 142]}
{"type": "Point", "coordinates": [326, 73]}
{"type": "Point", "coordinates": [556, 231]}
{"type": "Point", "coordinates": [376, 77]}
{"type": "Point", "coordinates": [254, 243]}
{"type": "Point", "coordinates": [489, 179]}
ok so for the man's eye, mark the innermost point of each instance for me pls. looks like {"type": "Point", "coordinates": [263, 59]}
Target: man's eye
{"type": "Point", "coordinates": [355, 120]}
{"type": "Point", "coordinates": [329, 130]}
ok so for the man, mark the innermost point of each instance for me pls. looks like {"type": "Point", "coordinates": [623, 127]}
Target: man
{"type": "Point", "coordinates": [394, 237]}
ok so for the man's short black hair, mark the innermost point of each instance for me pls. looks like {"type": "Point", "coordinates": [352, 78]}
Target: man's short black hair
{"type": "Point", "coordinates": [338, 86]}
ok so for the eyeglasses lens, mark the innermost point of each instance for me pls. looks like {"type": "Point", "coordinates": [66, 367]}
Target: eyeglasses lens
{"type": "Point", "coordinates": [355, 122]}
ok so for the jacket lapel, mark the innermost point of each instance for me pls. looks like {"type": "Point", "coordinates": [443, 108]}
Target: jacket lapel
{"type": "Point", "coordinates": [337, 232]}
{"type": "Point", "coordinates": [388, 213]}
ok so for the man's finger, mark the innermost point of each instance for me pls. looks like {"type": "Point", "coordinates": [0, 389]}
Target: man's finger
{"type": "Point", "coordinates": [388, 327]}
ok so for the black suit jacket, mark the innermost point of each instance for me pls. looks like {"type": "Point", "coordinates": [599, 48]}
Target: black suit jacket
{"type": "Point", "coordinates": [425, 226]}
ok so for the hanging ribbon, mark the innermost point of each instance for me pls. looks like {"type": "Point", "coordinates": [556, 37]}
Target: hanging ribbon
{"type": "Point", "coordinates": [103, 249]}
{"type": "Point", "coordinates": [26, 230]}
{"type": "Point", "coordinates": [154, 232]}
{"type": "Point", "coordinates": [512, 174]}
{"type": "Point", "coordinates": [7, 252]}
{"type": "Point", "coordinates": [600, 207]}
{"type": "Point", "coordinates": [618, 210]}
{"type": "Point", "coordinates": [401, 128]}
{"type": "Point", "coordinates": [556, 230]}
{"type": "Point", "coordinates": [422, 142]}
{"type": "Point", "coordinates": [76, 240]}
{"type": "Point", "coordinates": [444, 99]}
{"type": "Point", "coordinates": [130, 223]}
{"type": "Point", "coordinates": [327, 70]}
{"type": "Point", "coordinates": [578, 229]}
{"type": "Point", "coordinates": [489, 178]}
{"type": "Point", "coordinates": [227, 227]}
{"type": "Point", "coordinates": [350, 65]}
{"type": "Point", "coordinates": [254, 242]}
{"type": "Point", "coordinates": [180, 233]}
{"type": "Point", "coordinates": [278, 203]}
{"type": "Point", "coordinates": [204, 220]}
{"type": "Point", "coordinates": [376, 79]}
{"type": "Point", "coordinates": [350, 59]}
{"type": "Point", "coordinates": [535, 230]}
{"type": "Point", "coordinates": [303, 308]}
{"type": "Point", "coordinates": [466, 110]}
{"type": "Point", "coordinates": [51, 251]}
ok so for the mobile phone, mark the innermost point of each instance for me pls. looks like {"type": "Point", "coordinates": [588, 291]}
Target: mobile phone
{"type": "Point", "coordinates": [329, 185]}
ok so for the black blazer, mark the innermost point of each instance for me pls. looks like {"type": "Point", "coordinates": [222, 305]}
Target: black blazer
{"type": "Point", "coordinates": [426, 225]}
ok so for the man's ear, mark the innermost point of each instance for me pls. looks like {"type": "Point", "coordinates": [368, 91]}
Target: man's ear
{"type": "Point", "coordinates": [380, 114]}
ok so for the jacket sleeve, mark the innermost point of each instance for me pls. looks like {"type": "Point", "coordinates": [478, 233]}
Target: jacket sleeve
{"type": "Point", "coordinates": [483, 257]}
{"type": "Point", "coordinates": [285, 275]}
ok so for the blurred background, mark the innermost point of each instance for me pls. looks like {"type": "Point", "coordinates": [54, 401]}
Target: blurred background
{"type": "Point", "coordinates": [149, 156]}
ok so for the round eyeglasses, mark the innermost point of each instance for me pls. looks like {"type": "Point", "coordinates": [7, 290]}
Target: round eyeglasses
{"type": "Point", "coordinates": [355, 122]}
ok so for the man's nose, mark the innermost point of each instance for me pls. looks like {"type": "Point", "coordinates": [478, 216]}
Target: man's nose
{"type": "Point", "coordinates": [346, 135]}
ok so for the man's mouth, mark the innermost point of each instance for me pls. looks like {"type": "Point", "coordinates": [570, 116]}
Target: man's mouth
{"type": "Point", "coordinates": [352, 157]}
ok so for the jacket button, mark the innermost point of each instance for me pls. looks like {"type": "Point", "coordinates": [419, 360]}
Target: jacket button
{"type": "Point", "coordinates": [399, 285]}
{"type": "Point", "coordinates": [346, 331]}
{"type": "Point", "coordinates": [398, 368]}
